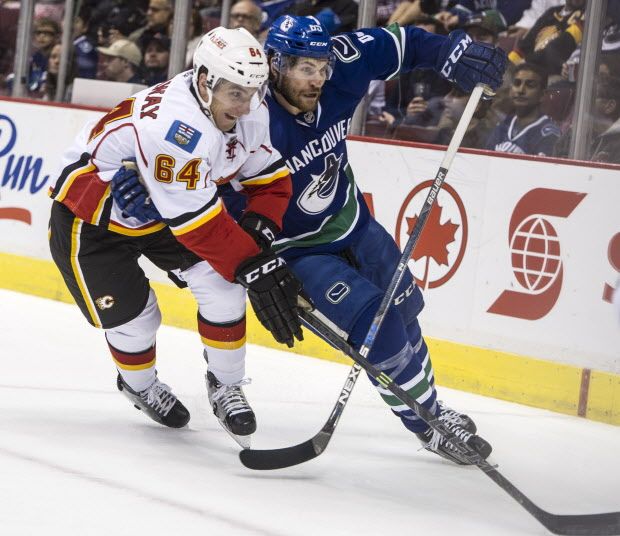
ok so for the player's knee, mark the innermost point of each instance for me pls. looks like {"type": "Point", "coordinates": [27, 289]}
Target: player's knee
{"type": "Point", "coordinates": [391, 338]}
{"type": "Point", "coordinates": [139, 333]}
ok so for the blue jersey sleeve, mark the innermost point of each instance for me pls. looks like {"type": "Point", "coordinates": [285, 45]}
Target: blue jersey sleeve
{"type": "Point", "coordinates": [383, 53]}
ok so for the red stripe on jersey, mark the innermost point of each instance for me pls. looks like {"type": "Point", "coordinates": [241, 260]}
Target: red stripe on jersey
{"type": "Point", "coordinates": [133, 358]}
{"type": "Point", "coordinates": [266, 149]}
{"type": "Point", "coordinates": [222, 243]}
{"type": "Point", "coordinates": [229, 332]}
{"type": "Point", "coordinates": [84, 195]}
{"type": "Point", "coordinates": [270, 199]}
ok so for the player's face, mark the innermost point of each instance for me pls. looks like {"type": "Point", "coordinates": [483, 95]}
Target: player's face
{"type": "Point", "coordinates": [526, 91]}
{"type": "Point", "coordinates": [301, 83]}
{"type": "Point", "coordinates": [229, 103]}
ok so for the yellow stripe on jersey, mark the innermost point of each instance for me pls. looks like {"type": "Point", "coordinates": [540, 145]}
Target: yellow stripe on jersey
{"type": "Point", "coordinates": [143, 366]}
{"type": "Point", "coordinates": [232, 345]}
{"type": "Point", "coordinates": [71, 178]}
{"type": "Point", "coordinates": [77, 271]}
{"type": "Point", "coordinates": [262, 179]}
{"type": "Point", "coordinates": [135, 232]}
{"type": "Point", "coordinates": [199, 220]}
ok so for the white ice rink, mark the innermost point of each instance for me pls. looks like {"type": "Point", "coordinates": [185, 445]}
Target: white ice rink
{"type": "Point", "coordinates": [77, 459]}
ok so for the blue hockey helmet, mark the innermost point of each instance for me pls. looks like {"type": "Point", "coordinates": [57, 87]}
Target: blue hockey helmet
{"type": "Point", "coordinates": [299, 36]}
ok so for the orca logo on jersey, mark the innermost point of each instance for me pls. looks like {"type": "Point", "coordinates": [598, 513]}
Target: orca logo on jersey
{"type": "Point", "coordinates": [320, 193]}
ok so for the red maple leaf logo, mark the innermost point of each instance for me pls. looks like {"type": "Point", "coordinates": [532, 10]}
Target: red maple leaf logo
{"type": "Point", "coordinates": [434, 240]}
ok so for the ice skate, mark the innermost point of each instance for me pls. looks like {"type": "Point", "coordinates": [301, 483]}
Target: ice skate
{"type": "Point", "coordinates": [458, 418]}
{"type": "Point", "coordinates": [158, 402]}
{"type": "Point", "coordinates": [232, 409]}
{"type": "Point", "coordinates": [464, 428]}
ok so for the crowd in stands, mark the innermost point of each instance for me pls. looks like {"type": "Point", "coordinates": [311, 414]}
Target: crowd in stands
{"type": "Point", "coordinates": [129, 41]}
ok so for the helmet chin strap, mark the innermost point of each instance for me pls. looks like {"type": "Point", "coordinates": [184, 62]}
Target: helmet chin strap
{"type": "Point", "coordinates": [202, 104]}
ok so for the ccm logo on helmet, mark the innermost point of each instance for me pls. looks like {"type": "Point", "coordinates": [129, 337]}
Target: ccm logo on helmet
{"type": "Point", "coordinates": [318, 44]}
{"type": "Point", "coordinates": [266, 268]}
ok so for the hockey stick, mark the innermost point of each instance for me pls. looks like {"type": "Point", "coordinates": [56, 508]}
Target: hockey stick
{"type": "Point", "coordinates": [311, 448]}
{"type": "Point", "coordinates": [570, 524]}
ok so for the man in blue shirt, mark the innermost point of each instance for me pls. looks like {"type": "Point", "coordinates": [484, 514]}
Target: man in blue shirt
{"type": "Point", "coordinates": [528, 130]}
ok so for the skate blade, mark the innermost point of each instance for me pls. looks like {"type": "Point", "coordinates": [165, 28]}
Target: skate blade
{"type": "Point", "coordinates": [244, 442]}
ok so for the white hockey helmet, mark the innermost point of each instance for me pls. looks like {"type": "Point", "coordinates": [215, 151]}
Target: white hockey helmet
{"type": "Point", "coordinates": [233, 55]}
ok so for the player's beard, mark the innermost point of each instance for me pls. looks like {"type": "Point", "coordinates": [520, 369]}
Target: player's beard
{"type": "Point", "coordinates": [295, 97]}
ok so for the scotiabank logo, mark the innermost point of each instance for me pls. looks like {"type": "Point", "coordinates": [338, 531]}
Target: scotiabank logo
{"type": "Point", "coordinates": [535, 253]}
{"type": "Point", "coordinates": [441, 245]}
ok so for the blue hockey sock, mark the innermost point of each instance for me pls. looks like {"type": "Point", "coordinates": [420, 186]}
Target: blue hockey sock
{"type": "Point", "coordinates": [393, 354]}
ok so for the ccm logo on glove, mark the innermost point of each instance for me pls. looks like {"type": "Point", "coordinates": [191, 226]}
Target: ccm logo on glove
{"type": "Point", "coordinates": [266, 268]}
{"type": "Point", "coordinates": [455, 55]}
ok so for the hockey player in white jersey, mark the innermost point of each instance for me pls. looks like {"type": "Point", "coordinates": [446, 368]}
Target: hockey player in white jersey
{"type": "Point", "coordinates": [200, 129]}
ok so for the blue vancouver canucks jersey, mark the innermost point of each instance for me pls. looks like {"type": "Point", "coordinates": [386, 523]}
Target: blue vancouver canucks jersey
{"type": "Point", "coordinates": [327, 211]}
{"type": "Point", "coordinates": [537, 138]}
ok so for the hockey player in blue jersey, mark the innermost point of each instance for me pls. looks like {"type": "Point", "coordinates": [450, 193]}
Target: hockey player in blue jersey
{"type": "Point", "coordinates": [344, 257]}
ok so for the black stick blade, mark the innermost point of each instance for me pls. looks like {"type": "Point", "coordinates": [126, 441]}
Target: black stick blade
{"type": "Point", "coordinates": [607, 524]}
{"type": "Point", "coordinates": [268, 459]}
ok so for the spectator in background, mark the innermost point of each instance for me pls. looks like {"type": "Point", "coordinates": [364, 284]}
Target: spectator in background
{"type": "Point", "coordinates": [156, 58]}
{"type": "Point", "coordinates": [485, 26]}
{"type": "Point", "coordinates": [46, 34]}
{"type": "Point", "coordinates": [419, 84]}
{"type": "Point", "coordinates": [158, 17]}
{"type": "Point", "coordinates": [537, 9]}
{"type": "Point", "coordinates": [553, 38]}
{"type": "Point", "coordinates": [606, 126]}
{"type": "Point", "coordinates": [121, 61]}
{"type": "Point", "coordinates": [454, 12]}
{"type": "Point", "coordinates": [409, 11]}
{"type": "Point", "coordinates": [123, 22]}
{"type": "Point", "coordinates": [385, 9]}
{"type": "Point", "coordinates": [49, 9]}
{"type": "Point", "coordinates": [51, 80]}
{"type": "Point", "coordinates": [246, 14]}
{"type": "Point", "coordinates": [337, 16]}
{"type": "Point", "coordinates": [527, 130]}
{"type": "Point", "coordinates": [193, 38]}
{"type": "Point", "coordinates": [84, 50]}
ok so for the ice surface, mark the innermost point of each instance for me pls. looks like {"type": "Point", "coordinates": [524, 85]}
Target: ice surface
{"type": "Point", "coordinates": [77, 459]}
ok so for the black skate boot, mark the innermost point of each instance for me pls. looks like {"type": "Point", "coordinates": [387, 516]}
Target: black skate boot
{"type": "Point", "coordinates": [232, 409]}
{"type": "Point", "coordinates": [458, 418]}
{"type": "Point", "coordinates": [464, 428]}
{"type": "Point", "coordinates": [158, 402]}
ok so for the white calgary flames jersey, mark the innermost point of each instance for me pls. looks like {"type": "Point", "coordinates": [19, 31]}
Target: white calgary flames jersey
{"type": "Point", "coordinates": [182, 157]}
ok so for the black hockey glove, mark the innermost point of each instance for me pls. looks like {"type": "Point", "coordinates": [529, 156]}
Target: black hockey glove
{"type": "Point", "coordinates": [260, 228]}
{"type": "Point", "coordinates": [468, 63]}
{"type": "Point", "coordinates": [273, 292]}
{"type": "Point", "coordinates": [131, 195]}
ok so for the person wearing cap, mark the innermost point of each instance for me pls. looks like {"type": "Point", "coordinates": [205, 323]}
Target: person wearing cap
{"type": "Point", "coordinates": [156, 58]}
{"type": "Point", "coordinates": [485, 26]}
{"type": "Point", "coordinates": [121, 61]}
